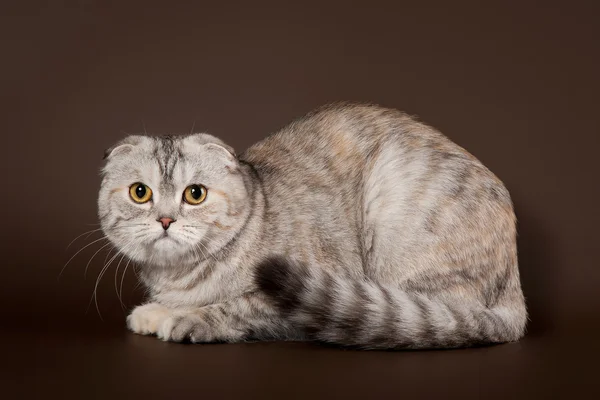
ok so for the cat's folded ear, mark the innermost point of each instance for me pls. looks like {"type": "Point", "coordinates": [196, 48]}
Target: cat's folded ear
{"type": "Point", "coordinates": [206, 139]}
{"type": "Point", "coordinates": [213, 145]}
{"type": "Point", "coordinates": [123, 146]}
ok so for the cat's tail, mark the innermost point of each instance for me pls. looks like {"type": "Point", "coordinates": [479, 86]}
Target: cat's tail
{"type": "Point", "coordinates": [362, 313]}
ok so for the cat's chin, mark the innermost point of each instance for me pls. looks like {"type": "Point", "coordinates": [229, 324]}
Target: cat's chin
{"type": "Point", "coordinates": [167, 249]}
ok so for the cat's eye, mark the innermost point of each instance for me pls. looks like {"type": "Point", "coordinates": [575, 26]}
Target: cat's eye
{"type": "Point", "coordinates": [140, 193]}
{"type": "Point", "coordinates": [194, 194]}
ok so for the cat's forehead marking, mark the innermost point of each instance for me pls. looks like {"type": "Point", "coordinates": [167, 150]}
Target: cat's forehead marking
{"type": "Point", "coordinates": [167, 153]}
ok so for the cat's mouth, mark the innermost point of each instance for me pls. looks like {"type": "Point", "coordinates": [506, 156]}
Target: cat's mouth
{"type": "Point", "coordinates": [165, 237]}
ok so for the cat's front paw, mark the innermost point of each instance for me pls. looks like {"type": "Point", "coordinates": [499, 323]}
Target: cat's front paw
{"type": "Point", "coordinates": [148, 318]}
{"type": "Point", "coordinates": [186, 326]}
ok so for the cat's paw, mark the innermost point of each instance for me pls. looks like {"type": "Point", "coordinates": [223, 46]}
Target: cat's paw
{"type": "Point", "coordinates": [148, 318]}
{"type": "Point", "coordinates": [186, 326]}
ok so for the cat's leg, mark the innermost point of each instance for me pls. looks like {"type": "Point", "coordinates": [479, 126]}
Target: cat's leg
{"type": "Point", "coordinates": [248, 317]}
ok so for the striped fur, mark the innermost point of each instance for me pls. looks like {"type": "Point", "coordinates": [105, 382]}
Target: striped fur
{"type": "Point", "coordinates": [362, 313]}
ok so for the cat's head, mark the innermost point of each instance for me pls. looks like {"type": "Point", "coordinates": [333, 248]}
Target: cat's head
{"type": "Point", "coordinates": [167, 201]}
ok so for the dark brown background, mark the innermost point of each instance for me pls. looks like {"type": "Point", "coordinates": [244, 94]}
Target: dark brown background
{"type": "Point", "coordinates": [516, 84]}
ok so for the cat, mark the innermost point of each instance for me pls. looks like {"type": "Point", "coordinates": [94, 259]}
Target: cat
{"type": "Point", "coordinates": [355, 225]}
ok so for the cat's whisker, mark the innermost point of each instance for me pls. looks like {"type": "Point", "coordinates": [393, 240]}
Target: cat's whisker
{"type": "Point", "coordinates": [195, 246]}
{"type": "Point", "coordinates": [199, 244]}
{"type": "Point", "coordinates": [94, 293]}
{"type": "Point", "coordinates": [209, 253]}
{"type": "Point", "coordinates": [139, 280]}
{"type": "Point", "coordinates": [196, 254]}
{"type": "Point", "coordinates": [132, 225]}
{"type": "Point", "coordinates": [88, 232]}
{"type": "Point", "coordinates": [90, 260]}
{"type": "Point", "coordinates": [99, 278]}
{"type": "Point", "coordinates": [80, 250]}
{"type": "Point", "coordinates": [116, 276]}
{"type": "Point", "coordinates": [120, 291]}
{"type": "Point", "coordinates": [137, 285]}
{"type": "Point", "coordinates": [108, 254]}
{"type": "Point", "coordinates": [120, 294]}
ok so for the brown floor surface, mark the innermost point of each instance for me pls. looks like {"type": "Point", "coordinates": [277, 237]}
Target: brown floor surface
{"type": "Point", "coordinates": [104, 361]}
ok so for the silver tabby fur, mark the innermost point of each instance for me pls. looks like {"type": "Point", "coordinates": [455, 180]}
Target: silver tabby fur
{"type": "Point", "coordinates": [354, 225]}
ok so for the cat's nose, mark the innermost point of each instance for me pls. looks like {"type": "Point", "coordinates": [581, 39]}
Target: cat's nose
{"type": "Point", "coordinates": [166, 222]}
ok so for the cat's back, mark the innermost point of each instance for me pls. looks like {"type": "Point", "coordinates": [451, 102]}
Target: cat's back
{"type": "Point", "coordinates": [341, 138]}
{"type": "Point", "coordinates": [333, 136]}
{"type": "Point", "coordinates": [348, 145]}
